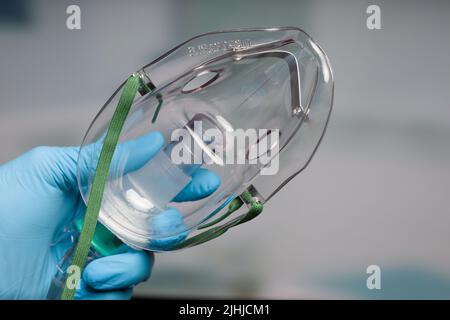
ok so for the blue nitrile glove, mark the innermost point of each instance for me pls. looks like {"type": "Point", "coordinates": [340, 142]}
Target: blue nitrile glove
{"type": "Point", "coordinates": [39, 196]}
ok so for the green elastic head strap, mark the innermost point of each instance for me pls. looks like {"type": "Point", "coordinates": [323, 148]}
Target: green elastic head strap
{"type": "Point", "coordinates": [98, 184]}
{"type": "Point", "coordinates": [98, 236]}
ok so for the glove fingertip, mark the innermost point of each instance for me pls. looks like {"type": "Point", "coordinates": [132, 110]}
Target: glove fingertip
{"type": "Point", "coordinates": [119, 271]}
{"type": "Point", "coordinates": [204, 182]}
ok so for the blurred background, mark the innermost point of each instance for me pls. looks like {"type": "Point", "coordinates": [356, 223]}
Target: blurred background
{"type": "Point", "coordinates": [377, 191]}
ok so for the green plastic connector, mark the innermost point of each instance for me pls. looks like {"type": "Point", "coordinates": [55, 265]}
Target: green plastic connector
{"type": "Point", "coordinates": [104, 242]}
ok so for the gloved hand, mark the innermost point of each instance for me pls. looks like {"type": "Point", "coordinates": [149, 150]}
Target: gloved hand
{"type": "Point", "coordinates": [39, 196]}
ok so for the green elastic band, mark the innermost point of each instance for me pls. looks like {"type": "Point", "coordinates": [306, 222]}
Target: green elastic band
{"type": "Point", "coordinates": [100, 177]}
{"type": "Point", "coordinates": [255, 208]}
{"type": "Point", "coordinates": [234, 205]}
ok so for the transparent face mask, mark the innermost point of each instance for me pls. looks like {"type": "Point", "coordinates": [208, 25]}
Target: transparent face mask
{"type": "Point", "coordinates": [250, 106]}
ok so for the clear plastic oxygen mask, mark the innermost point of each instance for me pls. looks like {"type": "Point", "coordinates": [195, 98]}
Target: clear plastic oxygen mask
{"type": "Point", "coordinates": [275, 85]}
{"type": "Point", "coordinates": [219, 123]}
{"type": "Point", "coordinates": [137, 201]}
